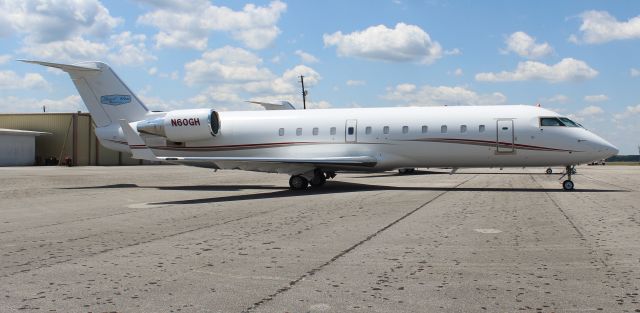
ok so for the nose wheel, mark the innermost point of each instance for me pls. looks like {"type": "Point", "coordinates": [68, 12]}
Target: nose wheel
{"type": "Point", "coordinates": [568, 183]}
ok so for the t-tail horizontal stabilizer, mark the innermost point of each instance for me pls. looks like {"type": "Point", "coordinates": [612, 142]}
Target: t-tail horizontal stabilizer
{"type": "Point", "coordinates": [139, 148]}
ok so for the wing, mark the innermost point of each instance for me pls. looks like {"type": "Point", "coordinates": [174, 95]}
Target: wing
{"type": "Point", "coordinates": [283, 105]}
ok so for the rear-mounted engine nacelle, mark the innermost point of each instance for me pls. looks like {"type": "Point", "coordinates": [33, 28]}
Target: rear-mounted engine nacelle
{"type": "Point", "coordinates": [183, 125]}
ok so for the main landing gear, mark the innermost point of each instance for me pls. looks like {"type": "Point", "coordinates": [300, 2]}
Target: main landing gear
{"type": "Point", "coordinates": [319, 178]}
{"type": "Point", "coordinates": [568, 184]}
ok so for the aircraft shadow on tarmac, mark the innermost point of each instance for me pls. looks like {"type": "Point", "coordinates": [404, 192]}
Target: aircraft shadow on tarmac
{"type": "Point", "coordinates": [331, 187]}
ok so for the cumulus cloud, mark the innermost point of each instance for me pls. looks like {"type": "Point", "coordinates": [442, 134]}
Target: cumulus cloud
{"type": "Point", "coordinates": [14, 104]}
{"type": "Point", "coordinates": [568, 69]}
{"type": "Point", "coordinates": [72, 31]}
{"type": "Point", "coordinates": [188, 24]}
{"type": "Point", "coordinates": [404, 43]}
{"type": "Point", "coordinates": [9, 80]}
{"type": "Point", "coordinates": [231, 74]}
{"type": "Point", "coordinates": [131, 49]}
{"type": "Point", "coordinates": [227, 64]}
{"type": "Point", "coordinates": [525, 46]}
{"type": "Point", "coordinates": [48, 20]}
{"type": "Point", "coordinates": [600, 27]}
{"type": "Point", "coordinates": [630, 111]}
{"type": "Point", "coordinates": [596, 98]}
{"type": "Point", "coordinates": [591, 110]}
{"type": "Point", "coordinates": [634, 72]}
{"type": "Point", "coordinates": [306, 57]}
{"type": "Point", "coordinates": [412, 95]}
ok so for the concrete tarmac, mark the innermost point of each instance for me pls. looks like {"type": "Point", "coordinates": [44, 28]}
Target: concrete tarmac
{"type": "Point", "coordinates": [180, 239]}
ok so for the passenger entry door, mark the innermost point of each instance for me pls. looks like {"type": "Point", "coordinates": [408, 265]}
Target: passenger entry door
{"type": "Point", "coordinates": [505, 133]}
{"type": "Point", "coordinates": [351, 131]}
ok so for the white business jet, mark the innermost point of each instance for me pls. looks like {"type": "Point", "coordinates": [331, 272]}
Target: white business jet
{"type": "Point", "coordinates": [313, 145]}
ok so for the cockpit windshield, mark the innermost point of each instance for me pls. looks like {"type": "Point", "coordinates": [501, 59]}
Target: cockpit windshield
{"type": "Point", "coordinates": [558, 121]}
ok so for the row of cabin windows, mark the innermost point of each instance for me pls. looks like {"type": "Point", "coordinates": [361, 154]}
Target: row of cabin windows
{"type": "Point", "coordinates": [385, 130]}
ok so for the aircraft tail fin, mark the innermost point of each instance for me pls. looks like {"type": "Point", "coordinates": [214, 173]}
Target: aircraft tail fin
{"type": "Point", "coordinates": [139, 148]}
{"type": "Point", "coordinates": [103, 92]}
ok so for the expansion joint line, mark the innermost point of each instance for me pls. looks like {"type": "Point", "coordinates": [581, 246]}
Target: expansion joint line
{"type": "Point", "coordinates": [573, 225]}
{"type": "Point", "coordinates": [313, 271]}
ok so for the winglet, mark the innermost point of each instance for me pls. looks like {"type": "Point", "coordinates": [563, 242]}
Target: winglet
{"type": "Point", "coordinates": [138, 147]}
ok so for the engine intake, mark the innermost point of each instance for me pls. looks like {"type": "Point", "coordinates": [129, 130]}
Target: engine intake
{"type": "Point", "coordinates": [183, 125]}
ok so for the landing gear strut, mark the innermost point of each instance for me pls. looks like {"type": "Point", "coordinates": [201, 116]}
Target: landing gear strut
{"type": "Point", "coordinates": [568, 184]}
{"type": "Point", "coordinates": [318, 179]}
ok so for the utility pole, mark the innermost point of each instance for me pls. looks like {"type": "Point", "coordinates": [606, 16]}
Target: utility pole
{"type": "Point", "coordinates": [304, 93]}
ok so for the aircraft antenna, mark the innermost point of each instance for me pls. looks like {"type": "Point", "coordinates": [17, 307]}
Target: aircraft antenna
{"type": "Point", "coordinates": [304, 93]}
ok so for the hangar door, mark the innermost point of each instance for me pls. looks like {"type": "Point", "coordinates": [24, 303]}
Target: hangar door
{"type": "Point", "coordinates": [505, 135]}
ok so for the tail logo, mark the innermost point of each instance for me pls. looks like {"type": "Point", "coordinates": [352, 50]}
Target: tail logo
{"type": "Point", "coordinates": [115, 99]}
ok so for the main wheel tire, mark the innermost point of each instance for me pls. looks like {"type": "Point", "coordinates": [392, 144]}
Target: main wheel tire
{"type": "Point", "coordinates": [567, 185]}
{"type": "Point", "coordinates": [549, 171]}
{"type": "Point", "coordinates": [298, 182]}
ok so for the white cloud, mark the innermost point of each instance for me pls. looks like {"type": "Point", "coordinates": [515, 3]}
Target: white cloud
{"type": "Point", "coordinates": [153, 71]}
{"type": "Point", "coordinates": [410, 94]}
{"type": "Point", "coordinates": [306, 57]}
{"type": "Point", "coordinates": [131, 49]}
{"type": "Point", "coordinates": [232, 74]}
{"type": "Point", "coordinates": [4, 58]}
{"type": "Point", "coordinates": [454, 51]}
{"type": "Point", "coordinates": [591, 110]}
{"type": "Point", "coordinates": [525, 46]}
{"type": "Point", "coordinates": [457, 72]}
{"type": "Point", "coordinates": [352, 82]}
{"type": "Point", "coordinates": [596, 98]}
{"type": "Point", "coordinates": [9, 80]}
{"type": "Point", "coordinates": [404, 43]}
{"type": "Point", "coordinates": [600, 27]}
{"type": "Point", "coordinates": [634, 72]}
{"type": "Point", "coordinates": [49, 21]}
{"type": "Point", "coordinates": [189, 24]}
{"type": "Point", "coordinates": [70, 50]}
{"type": "Point", "coordinates": [568, 69]}
{"type": "Point", "coordinates": [559, 98]}
{"type": "Point", "coordinates": [227, 64]}
{"type": "Point", "coordinates": [633, 109]}
{"type": "Point", "coordinates": [14, 104]}
{"type": "Point", "coordinates": [72, 31]}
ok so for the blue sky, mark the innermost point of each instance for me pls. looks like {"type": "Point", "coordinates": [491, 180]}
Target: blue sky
{"type": "Point", "coordinates": [580, 58]}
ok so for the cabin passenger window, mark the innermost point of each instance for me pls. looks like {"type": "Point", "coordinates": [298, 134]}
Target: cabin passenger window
{"type": "Point", "coordinates": [367, 130]}
{"type": "Point", "coordinates": [481, 128]}
{"type": "Point", "coordinates": [424, 128]}
{"type": "Point", "coordinates": [463, 128]}
{"type": "Point", "coordinates": [385, 130]}
{"type": "Point", "coordinates": [350, 130]}
{"type": "Point", "coordinates": [281, 131]}
{"type": "Point", "coordinates": [333, 131]}
{"type": "Point", "coordinates": [405, 129]}
{"type": "Point", "coordinates": [298, 131]}
{"type": "Point", "coordinates": [315, 131]}
{"type": "Point", "coordinates": [443, 129]}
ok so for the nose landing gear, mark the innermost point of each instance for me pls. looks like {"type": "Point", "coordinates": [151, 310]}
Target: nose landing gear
{"type": "Point", "coordinates": [568, 183]}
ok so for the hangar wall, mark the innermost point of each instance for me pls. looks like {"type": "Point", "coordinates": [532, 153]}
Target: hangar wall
{"type": "Point", "coordinates": [73, 136]}
{"type": "Point", "coordinates": [16, 150]}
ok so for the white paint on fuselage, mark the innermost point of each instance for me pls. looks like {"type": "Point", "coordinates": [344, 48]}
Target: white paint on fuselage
{"type": "Point", "coordinates": [256, 133]}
